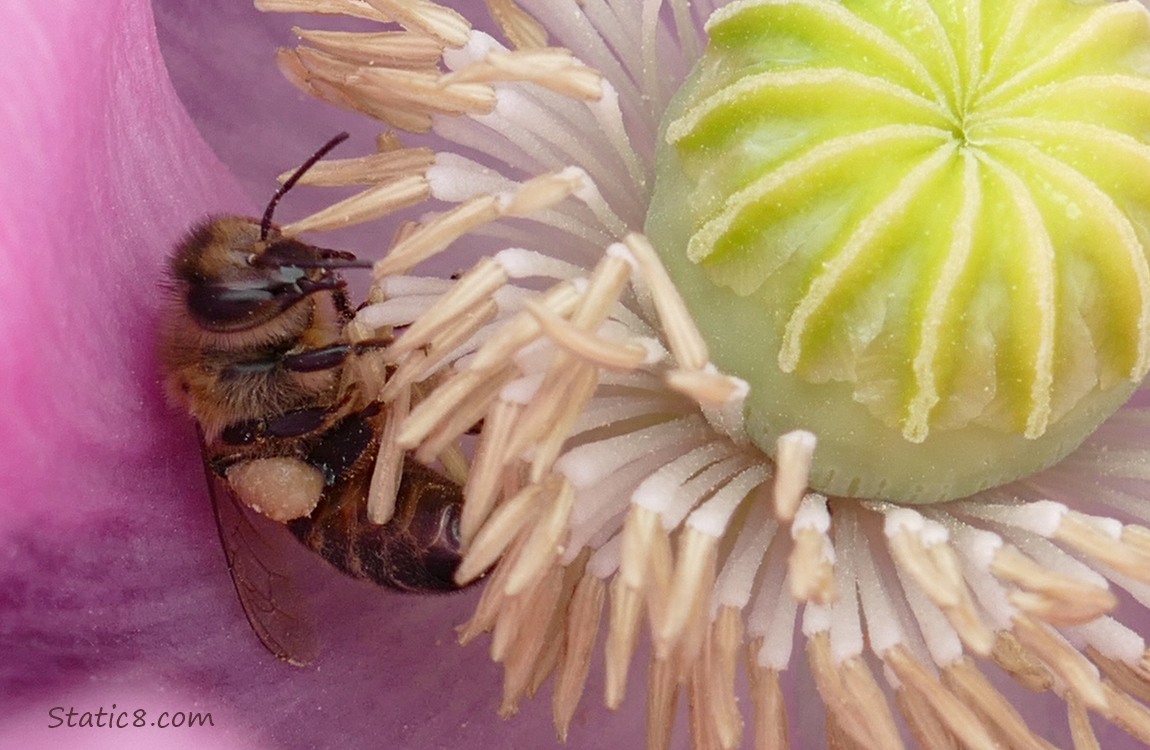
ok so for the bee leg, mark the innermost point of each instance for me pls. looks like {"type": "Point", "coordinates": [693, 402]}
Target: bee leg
{"type": "Point", "coordinates": [314, 360]}
{"type": "Point", "coordinates": [343, 444]}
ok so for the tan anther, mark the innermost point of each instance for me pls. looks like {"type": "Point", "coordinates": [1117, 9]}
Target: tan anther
{"type": "Point", "coordinates": [794, 452]}
{"type": "Point", "coordinates": [938, 572]}
{"type": "Point", "coordinates": [393, 49]}
{"type": "Point", "coordinates": [971, 686]}
{"type": "Point", "coordinates": [1132, 716]}
{"type": "Point", "coordinates": [694, 578]}
{"type": "Point", "coordinates": [493, 600]}
{"type": "Point", "coordinates": [811, 574]}
{"type": "Point", "coordinates": [487, 471]}
{"type": "Point", "coordinates": [726, 637]}
{"type": "Point", "coordinates": [705, 388]}
{"type": "Point", "coordinates": [386, 474]}
{"type": "Point", "coordinates": [771, 731]}
{"type": "Point", "coordinates": [367, 170]}
{"type": "Point", "coordinates": [500, 530]}
{"type": "Point", "coordinates": [543, 192]}
{"type": "Point", "coordinates": [659, 576]}
{"type": "Point", "coordinates": [683, 337]}
{"type": "Point", "coordinates": [852, 696]}
{"type": "Point", "coordinates": [583, 616]}
{"type": "Point", "coordinates": [415, 366]}
{"type": "Point", "coordinates": [373, 203]}
{"type": "Point", "coordinates": [1063, 659]}
{"type": "Point", "coordinates": [520, 27]}
{"type": "Point", "coordinates": [700, 706]}
{"type": "Point", "coordinates": [547, 539]}
{"type": "Point", "coordinates": [618, 356]}
{"type": "Point", "coordinates": [523, 328]}
{"type": "Point", "coordinates": [923, 721]}
{"type": "Point", "coordinates": [1050, 596]}
{"type": "Point", "coordinates": [1132, 679]}
{"type": "Point", "coordinates": [386, 93]}
{"type": "Point", "coordinates": [639, 532]}
{"type": "Point", "coordinates": [952, 713]}
{"type": "Point", "coordinates": [433, 19]}
{"type": "Point", "coordinates": [475, 288]}
{"type": "Point", "coordinates": [622, 635]}
{"type": "Point", "coordinates": [352, 8]}
{"type": "Point", "coordinates": [662, 695]}
{"type": "Point", "coordinates": [554, 69]}
{"type": "Point", "coordinates": [451, 426]}
{"type": "Point", "coordinates": [446, 400]}
{"type": "Point", "coordinates": [437, 235]}
{"type": "Point", "coordinates": [1081, 733]}
{"type": "Point", "coordinates": [1077, 531]}
{"type": "Point", "coordinates": [554, 411]}
{"type": "Point", "coordinates": [1137, 537]}
{"type": "Point", "coordinates": [1020, 664]}
{"type": "Point", "coordinates": [539, 622]}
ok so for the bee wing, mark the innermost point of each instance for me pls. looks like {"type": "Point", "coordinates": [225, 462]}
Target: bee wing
{"type": "Point", "coordinates": [255, 548]}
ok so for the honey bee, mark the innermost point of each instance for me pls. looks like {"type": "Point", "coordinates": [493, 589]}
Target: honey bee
{"type": "Point", "coordinates": [254, 348]}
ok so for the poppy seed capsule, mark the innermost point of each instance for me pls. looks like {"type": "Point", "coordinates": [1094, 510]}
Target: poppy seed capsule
{"type": "Point", "coordinates": [920, 235]}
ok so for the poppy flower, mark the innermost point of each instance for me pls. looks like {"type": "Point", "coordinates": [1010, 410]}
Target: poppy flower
{"type": "Point", "coordinates": [802, 339]}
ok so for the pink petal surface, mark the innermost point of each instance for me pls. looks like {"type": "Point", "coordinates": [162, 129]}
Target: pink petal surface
{"type": "Point", "coordinates": [113, 588]}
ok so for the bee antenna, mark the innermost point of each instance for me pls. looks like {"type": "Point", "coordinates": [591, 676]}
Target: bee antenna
{"type": "Point", "coordinates": [266, 223]}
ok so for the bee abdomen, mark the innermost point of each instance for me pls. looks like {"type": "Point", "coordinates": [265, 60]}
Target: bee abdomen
{"type": "Point", "coordinates": [418, 550]}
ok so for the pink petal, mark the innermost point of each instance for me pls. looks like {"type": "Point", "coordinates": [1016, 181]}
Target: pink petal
{"type": "Point", "coordinates": [113, 588]}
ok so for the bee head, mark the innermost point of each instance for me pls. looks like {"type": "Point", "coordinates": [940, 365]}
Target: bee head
{"type": "Point", "coordinates": [240, 273]}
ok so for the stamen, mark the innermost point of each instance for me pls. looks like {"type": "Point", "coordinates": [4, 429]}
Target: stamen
{"type": "Point", "coordinates": [1127, 713]}
{"type": "Point", "coordinates": [353, 8]}
{"type": "Point", "coordinates": [812, 563]}
{"type": "Point", "coordinates": [472, 290]}
{"type": "Point", "coordinates": [487, 471]}
{"type": "Point", "coordinates": [544, 544]}
{"type": "Point", "coordinates": [706, 388]}
{"type": "Point", "coordinates": [770, 711]}
{"type": "Point", "coordinates": [694, 576]}
{"type": "Point", "coordinates": [662, 694]}
{"type": "Point", "coordinates": [518, 26]}
{"type": "Point", "coordinates": [385, 477]}
{"type": "Point", "coordinates": [495, 536]}
{"type": "Point", "coordinates": [969, 684]}
{"type": "Point", "coordinates": [951, 712]}
{"type": "Point", "coordinates": [583, 616]}
{"type": "Point", "coordinates": [622, 635]}
{"type": "Point", "coordinates": [452, 341]}
{"type": "Point", "coordinates": [684, 339]}
{"type": "Point", "coordinates": [374, 203]}
{"type": "Point", "coordinates": [794, 452]}
{"type": "Point", "coordinates": [367, 170]}
{"type": "Point", "coordinates": [450, 28]}
{"type": "Point", "coordinates": [532, 636]}
{"type": "Point", "coordinates": [852, 696]}
{"type": "Point", "coordinates": [1055, 598]}
{"type": "Point", "coordinates": [920, 548]}
{"type": "Point", "coordinates": [436, 235]}
{"type": "Point", "coordinates": [1063, 660]}
{"type": "Point", "coordinates": [606, 354]}
{"type": "Point", "coordinates": [1081, 733]}
{"type": "Point", "coordinates": [1020, 664]}
{"type": "Point", "coordinates": [554, 69]}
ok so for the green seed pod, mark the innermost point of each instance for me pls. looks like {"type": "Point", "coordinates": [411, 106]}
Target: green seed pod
{"type": "Point", "coordinates": [917, 229]}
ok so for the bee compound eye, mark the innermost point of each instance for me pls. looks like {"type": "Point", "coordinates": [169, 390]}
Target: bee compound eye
{"type": "Point", "coordinates": [283, 489]}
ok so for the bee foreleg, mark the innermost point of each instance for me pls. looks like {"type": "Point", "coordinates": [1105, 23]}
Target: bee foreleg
{"type": "Point", "coordinates": [314, 360]}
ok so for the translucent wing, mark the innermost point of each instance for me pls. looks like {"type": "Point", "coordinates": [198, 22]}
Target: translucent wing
{"type": "Point", "coordinates": [255, 548]}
